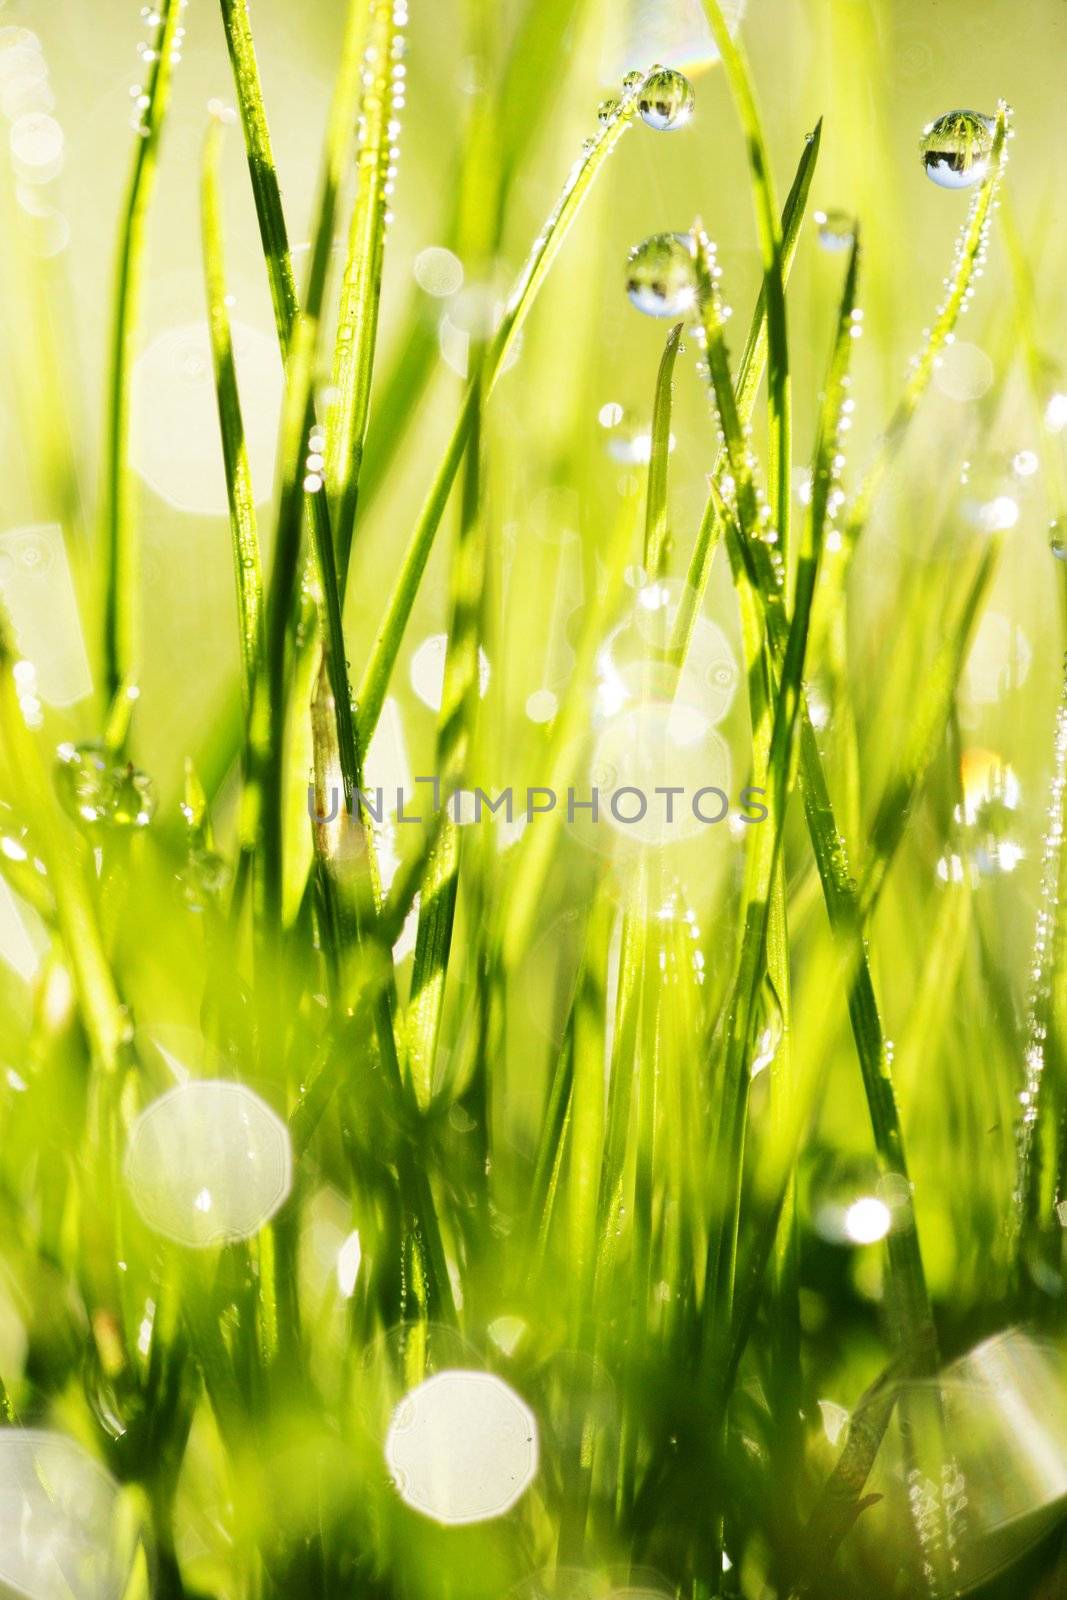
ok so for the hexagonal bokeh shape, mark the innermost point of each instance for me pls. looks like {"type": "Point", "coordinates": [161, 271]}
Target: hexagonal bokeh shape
{"type": "Point", "coordinates": [462, 1447]}
{"type": "Point", "coordinates": [62, 1535]}
{"type": "Point", "coordinates": [209, 1163]}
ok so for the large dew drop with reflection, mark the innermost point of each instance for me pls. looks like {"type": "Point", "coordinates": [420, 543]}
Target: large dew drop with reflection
{"type": "Point", "coordinates": [661, 275]}
{"type": "Point", "coordinates": [209, 1163]}
{"type": "Point", "coordinates": [462, 1447]}
{"type": "Point", "coordinates": [956, 149]}
{"type": "Point", "coordinates": [666, 100]}
{"type": "Point", "coordinates": [62, 1534]}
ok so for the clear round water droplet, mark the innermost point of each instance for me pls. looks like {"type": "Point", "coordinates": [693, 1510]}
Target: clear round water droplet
{"type": "Point", "coordinates": [956, 149]}
{"type": "Point", "coordinates": [1057, 539]}
{"type": "Point", "coordinates": [633, 79]}
{"type": "Point", "coordinates": [607, 109]}
{"type": "Point", "coordinates": [836, 230]}
{"type": "Point", "coordinates": [83, 780]}
{"type": "Point", "coordinates": [666, 100]}
{"type": "Point", "coordinates": [661, 278]}
{"type": "Point", "coordinates": [134, 803]}
{"type": "Point", "coordinates": [205, 878]}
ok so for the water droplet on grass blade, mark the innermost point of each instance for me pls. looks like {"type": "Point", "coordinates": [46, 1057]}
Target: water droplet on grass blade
{"type": "Point", "coordinates": [607, 108]}
{"type": "Point", "coordinates": [462, 1447]}
{"type": "Point", "coordinates": [93, 790]}
{"type": "Point", "coordinates": [666, 100]}
{"type": "Point", "coordinates": [956, 149]}
{"type": "Point", "coordinates": [208, 1163]}
{"type": "Point", "coordinates": [1057, 538]}
{"type": "Point", "coordinates": [768, 1027]}
{"type": "Point", "coordinates": [836, 230]}
{"type": "Point", "coordinates": [661, 278]}
{"type": "Point", "coordinates": [204, 878]}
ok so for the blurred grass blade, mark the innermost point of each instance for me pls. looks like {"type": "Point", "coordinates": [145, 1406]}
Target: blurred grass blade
{"type": "Point", "coordinates": [656, 513]}
{"type": "Point", "coordinates": [459, 708]}
{"type": "Point", "coordinates": [771, 249]}
{"type": "Point", "coordinates": [300, 482]}
{"type": "Point", "coordinates": [248, 565]}
{"type": "Point", "coordinates": [925, 734]}
{"type": "Point", "coordinates": [357, 328]}
{"type": "Point", "coordinates": [122, 599]}
{"type": "Point", "coordinates": [970, 250]}
{"type": "Point", "coordinates": [546, 247]}
{"type": "Point", "coordinates": [749, 376]}
{"type": "Point", "coordinates": [105, 1018]}
{"type": "Point", "coordinates": [1045, 1037]}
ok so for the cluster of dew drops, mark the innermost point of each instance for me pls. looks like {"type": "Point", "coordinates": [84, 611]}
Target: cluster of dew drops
{"type": "Point", "coordinates": [662, 279]}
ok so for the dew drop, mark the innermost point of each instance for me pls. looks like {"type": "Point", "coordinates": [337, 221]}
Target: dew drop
{"type": "Point", "coordinates": [768, 1026]}
{"type": "Point", "coordinates": [661, 278]}
{"type": "Point", "coordinates": [607, 109]}
{"type": "Point", "coordinates": [956, 149]}
{"type": "Point", "coordinates": [632, 80]}
{"type": "Point", "coordinates": [666, 100]}
{"type": "Point", "coordinates": [836, 230]}
{"type": "Point", "coordinates": [1057, 539]}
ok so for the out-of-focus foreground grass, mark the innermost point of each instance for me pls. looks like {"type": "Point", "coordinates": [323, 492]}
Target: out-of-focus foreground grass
{"type": "Point", "coordinates": [700, 1186]}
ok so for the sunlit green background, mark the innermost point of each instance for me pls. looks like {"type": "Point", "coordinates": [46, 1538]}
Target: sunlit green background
{"type": "Point", "coordinates": [876, 71]}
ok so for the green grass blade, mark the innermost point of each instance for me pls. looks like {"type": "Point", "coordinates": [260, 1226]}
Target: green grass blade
{"type": "Point", "coordinates": [105, 1017]}
{"type": "Point", "coordinates": [535, 848]}
{"type": "Point", "coordinates": [969, 251]}
{"type": "Point", "coordinates": [121, 601]}
{"type": "Point", "coordinates": [248, 566]}
{"type": "Point", "coordinates": [656, 510]}
{"type": "Point", "coordinates": [547, 246]}
{"type": "Point", "coordinates": [459, 707]}
{"type": "Point", "coordinates": [925, 734]}
{"type": "Point", "coordinates": [264, 174]}
{"type": "Point", "coordinates": [749, 376]}
{"type": "Point", "coordinates": [766, 206]}
{"type": "Point", "coordinates": [357, 328]}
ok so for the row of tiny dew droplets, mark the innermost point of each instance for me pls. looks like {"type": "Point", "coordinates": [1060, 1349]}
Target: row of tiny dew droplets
{"type": "Point", "coordinates": [150, 54]}
{"type": "Point", "coordinates": [389, 87]}
{"type": "Point", "coordinates": [1043, 960]}
{"type": "Point", "coordinates": [384, 80]}
{"type": "Point", "coordinates": [615, 116]}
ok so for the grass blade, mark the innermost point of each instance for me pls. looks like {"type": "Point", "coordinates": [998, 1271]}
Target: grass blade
{"type": "Point", "coordinates": [121, 601]}
{"type": "Point", "coordinates": [357, 329]}
{"type": "Point", "coordinates": [656, 513]}
{"type": "Point", "coordinates": [771, 249]}
{"type": "Point", "coordinates": [970, 250]}
{"type": "Point", "coordinates": [261, 166]}
{"type": "Point", "coordinates": [547, 246]}
{"type": "Point", "coordinates": [749, 376]}
{"type": "Point", "coordinates": [248, 566]}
